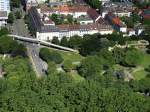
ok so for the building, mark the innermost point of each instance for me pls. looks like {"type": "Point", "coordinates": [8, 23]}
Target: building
{"type": "Point", "coordinates": [117, 24]}
{"type": "Point", "coordinates": [32, 3]}
{"type": "Point", "coordinates": [4, 11]}
{"type": "Point", "coordinates": [5, 5]}
{"type": "Point", "coordinates": [75, 11]}
{"type": "Point", "coordinates": [47, 32]}
{"type": "Point", "coordinates": [79, 2]}
{"type": "Point", "coordinates": [118, 8]}
{"type": "Point", "coordinates": [85, 19]}
{"type": "Point", "coordinates": [104, 1]}
{"type": "Point", "coordinates": [146, 13]}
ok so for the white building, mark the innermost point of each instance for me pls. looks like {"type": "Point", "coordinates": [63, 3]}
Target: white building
{"type": "Point", "coordinates": [5, 5]}
{"type": "Point", "coordinates": [49, 30]}
{"type": "Point", "coordinates": [4, 11]}
{"type": "Point", "coordinates": [104, 1]}
{"type": "Point", "coordinates": [118, 8]}
{"type": "Point", "coordinates": [30, 3]}
{"type": "Point", "coordinates": [75, 11]}
{"type": "Point", "coordinates": [60, 31]}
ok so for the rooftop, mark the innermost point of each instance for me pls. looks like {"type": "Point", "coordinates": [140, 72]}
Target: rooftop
{"type": "Point", "coordinates": [64, 8]}
{"type": "Point", "coordinates": [117, 7]}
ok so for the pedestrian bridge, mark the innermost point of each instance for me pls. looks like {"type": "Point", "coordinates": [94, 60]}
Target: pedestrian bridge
{"type": "Point", "coordinates": [41, 42]}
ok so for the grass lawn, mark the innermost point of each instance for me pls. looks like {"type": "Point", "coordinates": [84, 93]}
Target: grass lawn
{"type": "Point", "coordinates": [76, 76]}
{"type": "Point", "coordinates": [142, 73]}
{"type": "Point", "coordinates": [146, 61]}
{"type": "Point", "coordinates": [74, 57]}
{"type": "Point", "coordinates": [139, 74]}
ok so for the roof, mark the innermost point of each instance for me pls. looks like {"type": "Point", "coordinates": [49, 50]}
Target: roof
{"type": "Point", "coordinates": [117, 7]}
{"type": "Point", "coordinates": [64, 8]}
{"type": "Point", "coordinates": [75, 27]}
{"type": "Point", "coordinates": [35, 18]}
{"type": "Point", "coordinates": [146, 13]}
{"type": "Point", "coordinates": [80, 2]}
{"type": "Point", "coordinates": [92, 13]}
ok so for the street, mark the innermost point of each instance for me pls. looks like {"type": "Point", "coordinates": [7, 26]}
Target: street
{"type": "Point", "coordinates": [19, 28]}
{"type": "Point", "coordinates": [38, 64]}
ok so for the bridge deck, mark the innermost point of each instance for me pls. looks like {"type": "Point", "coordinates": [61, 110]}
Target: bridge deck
{"type": "Point", "coordinates": [33, 40]}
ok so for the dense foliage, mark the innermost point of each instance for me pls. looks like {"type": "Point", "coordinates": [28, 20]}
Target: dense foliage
{"type": "Point", "coordinates": [99, 91]}
{"type": "Point", "coordinates": [94, 3]}
{"type": "Point", "coordinates": [10, 46]}
{"type": "Point", "coordinates": [47, 56]}
{"type": "Point", "coordinates": [20, 91]}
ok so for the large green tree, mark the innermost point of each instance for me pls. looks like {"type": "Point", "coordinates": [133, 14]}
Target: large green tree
{"type": "Point", "coordinates": [48, 55]}
{"type": "Point", "coordinates": [133, 57]}
{"type": "Point", "coordinates": [10, 18]}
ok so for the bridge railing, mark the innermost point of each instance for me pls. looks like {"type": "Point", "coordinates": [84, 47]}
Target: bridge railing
{"type": "Point", "coordinates": [33, 40]}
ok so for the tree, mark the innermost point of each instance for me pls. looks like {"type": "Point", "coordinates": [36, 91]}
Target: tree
{"type": "Point", "coordinates": [7, 44]}
{"type": "Point", "coordinates": [70, 19]}
{"type": "Point", "coordinates": [20, 50]}
{"type": "Point", "coordinates": [15, 3]}
{"type": "Point", "coordinates": [18, 15]}
{"type": "Point", "coordinates": [148, 70]}
{"type": "Point", "coordinates": [64, 41]}
{"type": "Point", "coordinates": [75, 42]}
{"type": "Point", "coordinates": [48, 55]}
{"type": "Point", "coordinates": [91, 67]}
{"type": "Point", "coordinates": [90, 44]}
{"type": "Point", "coordinates": [94, 3]}
{"type": "Point", "coordinates": [144, 86]}
{"type": "Point", "coordinates": [56, 19]}
{"type": "Point", "coordinates": [119, 55]}
{"type": "Point", "coordinates": [51, 68]}
{"type": "Point", "coordinates": [55, 40]}
{"type": "Point", "coordinates": [3, 31]}
{"type": "Point", "coordinates": [107, 57]}
{"type": "Point", "coordinates": [10, 18]}
{"type": "Point", "coordinates": [133, 57]}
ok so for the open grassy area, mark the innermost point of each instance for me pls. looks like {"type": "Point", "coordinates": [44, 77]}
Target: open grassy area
{"type": "Point", "coordinates": [146, 61]}
{"type": "Point", "coordinates": [76, 76]}
{"type": "Point", "coordinates": [74, 57]}
{"type": "Point", "coordinates": [139, 74]}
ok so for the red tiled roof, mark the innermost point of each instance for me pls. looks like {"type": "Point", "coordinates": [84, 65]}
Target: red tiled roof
{"type": "Point", "coordinates": [92, 13]}
{"type": "Point", "coordinates": [65, 8]}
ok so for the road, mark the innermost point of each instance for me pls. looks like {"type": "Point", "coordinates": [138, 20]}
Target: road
{"type": "Point", "coordinates": [19, 28]}
{"type": "Point", "coordinates": [39, 65]}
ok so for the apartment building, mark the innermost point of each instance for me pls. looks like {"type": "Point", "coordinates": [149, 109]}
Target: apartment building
{"type": "Point", "coordinates": [4, 11]}
{"type": "Point", "coordinates": [32, 3]}
{"type": "Point", "coordinates": [118, 8]}
{"type": "Point", "coordinates": [46, 30]}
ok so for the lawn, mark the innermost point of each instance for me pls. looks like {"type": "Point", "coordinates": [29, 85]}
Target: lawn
{"type": "Point", "coordinates": [74, 57]}
{"type": "Point", "coordinates": [142, 73]}
{"type": "Point", "coordinates": [76, 76]}
{"type": "Point", "coordinates": [139, 74]}
{"type": "Point", "coordinates": [146, 60]}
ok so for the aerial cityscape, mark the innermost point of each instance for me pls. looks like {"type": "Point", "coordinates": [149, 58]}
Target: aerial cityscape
{"type": "Point", "coordinates": [74, 55]}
